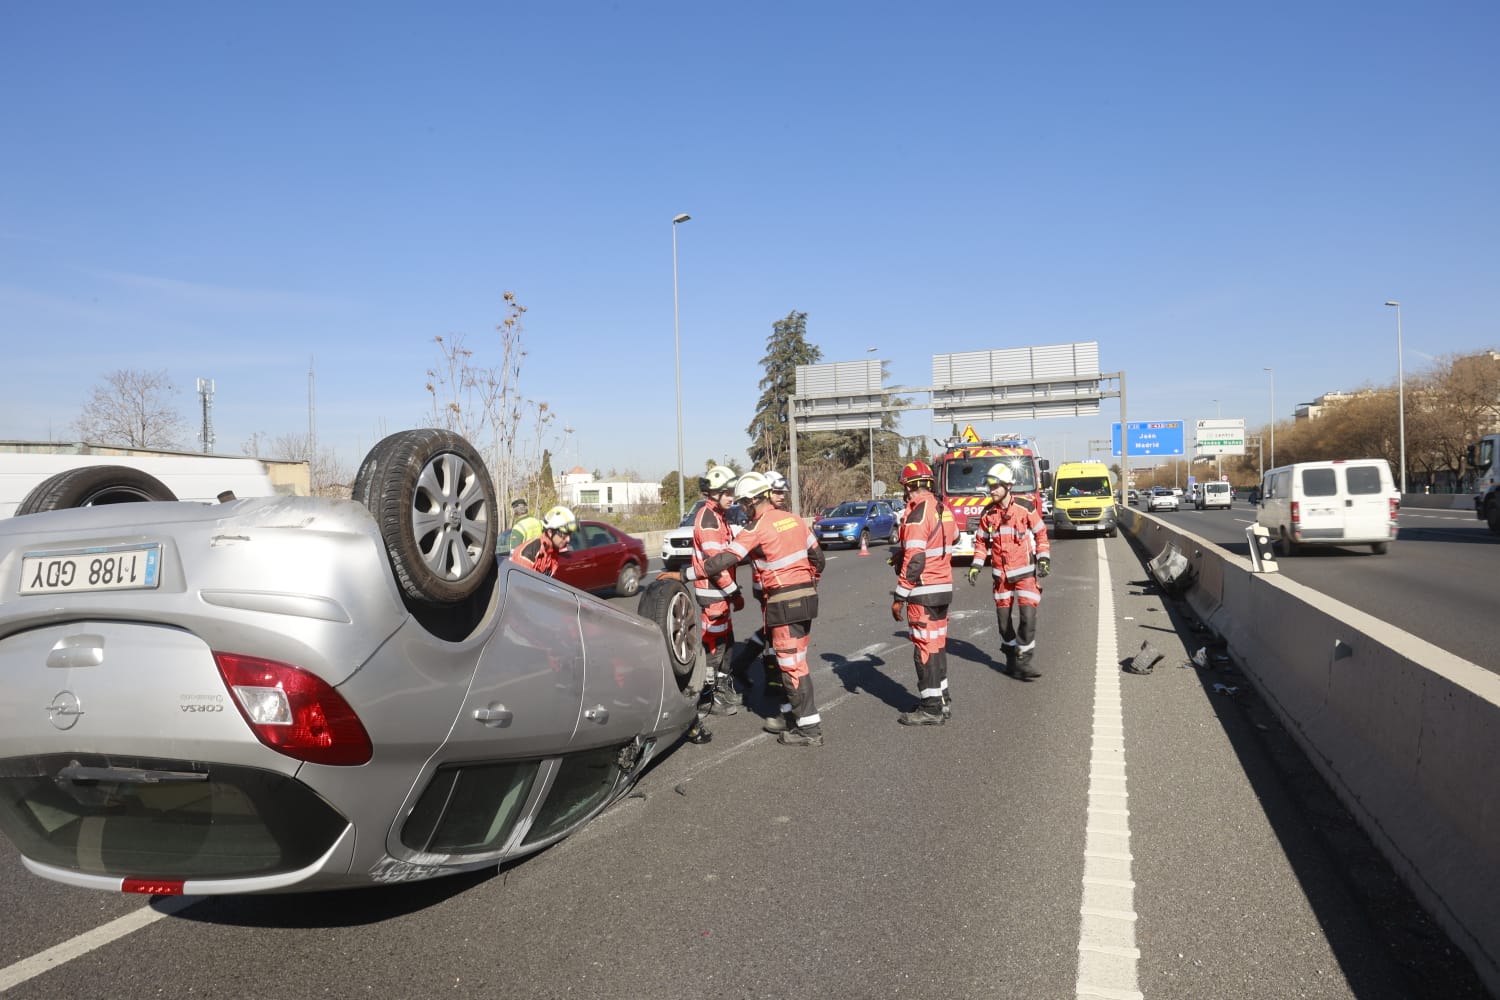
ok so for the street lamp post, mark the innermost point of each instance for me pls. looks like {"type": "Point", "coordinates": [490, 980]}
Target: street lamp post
{"type": "Point", "coordinates": [1219, 458]}
{"type": "Point", "coordinates": [1400, 394]}
{"type": "Point", "coordinates": [872, 350]}
{"type": "Point", "coordinates": [677, 353]}
{"type": "Point", "coordinates": [1273, 414]}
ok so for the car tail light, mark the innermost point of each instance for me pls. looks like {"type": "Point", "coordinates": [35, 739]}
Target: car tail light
{"type": "Point", "coordinates": [294, 712]}
{"type": "Point", "coordinates": [1395, 508]}
{"type": "Point", "coordinates": [1296, 515]}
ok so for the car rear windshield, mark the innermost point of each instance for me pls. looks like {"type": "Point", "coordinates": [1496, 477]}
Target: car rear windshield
{"type": "Point", "coordinates": [1319, 483]}
{"type": "Point", "coordinates": [1363, 480]}
{"type": "Point", "coordinates": [1217, 488]}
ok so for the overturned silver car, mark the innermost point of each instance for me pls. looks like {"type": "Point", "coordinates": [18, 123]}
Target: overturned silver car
{"type": "Point", "coordinates": [293, 693]}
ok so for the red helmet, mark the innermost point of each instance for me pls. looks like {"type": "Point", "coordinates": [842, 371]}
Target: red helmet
{"type": "Point", "coordinates": [915, 472]}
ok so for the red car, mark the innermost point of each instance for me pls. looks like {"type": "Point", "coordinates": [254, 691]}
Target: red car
{"type": "Point", "coordinates": [599, 557]}
{"type": "Point", "coordinates": [602, 557]}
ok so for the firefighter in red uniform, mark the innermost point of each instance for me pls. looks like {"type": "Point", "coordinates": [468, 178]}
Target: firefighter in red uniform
{"type": "Point", "coordinates": [924, 589]}
{"type": "Point", "coordinates": [783, 551]}
{"type": "Point", "coordinates": [756, 645]}
{"type": "Point", "coordinates": [719, 595]}
{"type": "Point", "coordinates": [540, 554]}
{"type": "Point", "coordinates": [1013, 539]}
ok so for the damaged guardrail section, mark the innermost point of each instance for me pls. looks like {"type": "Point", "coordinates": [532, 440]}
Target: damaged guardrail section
{"type": "Point", "coordinates": [1407, 734]}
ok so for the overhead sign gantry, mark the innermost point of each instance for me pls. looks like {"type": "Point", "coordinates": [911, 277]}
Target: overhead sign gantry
{"type": "Point", "coordinates": [1027, 383]}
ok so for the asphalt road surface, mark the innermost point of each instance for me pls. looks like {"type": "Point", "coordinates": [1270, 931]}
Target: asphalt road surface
{"type": "Point", "coordinates": [1092, 833]}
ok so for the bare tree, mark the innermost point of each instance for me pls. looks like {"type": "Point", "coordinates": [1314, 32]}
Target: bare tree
{"type": "Point", "coordinates": [327, 476]}
{"type": "Point", "coordinates": [132, 408]}
{"type": "Point", "coordinates": [485, 405]}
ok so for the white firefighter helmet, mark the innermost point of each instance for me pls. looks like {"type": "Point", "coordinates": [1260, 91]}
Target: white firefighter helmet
{"type": "Point", "coordinates": [1000, 473]}
{"type": "Point", "coordinates": [752, 486]}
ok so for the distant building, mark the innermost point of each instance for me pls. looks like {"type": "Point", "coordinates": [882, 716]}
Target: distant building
{"type": "Point", "coordinates": [579, 489]}
{"type": "Point", "coordinates": [1315, 409]}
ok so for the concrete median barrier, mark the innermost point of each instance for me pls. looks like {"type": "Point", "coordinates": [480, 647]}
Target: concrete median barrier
{"type": "Point", "coordinates": [1407, 734]}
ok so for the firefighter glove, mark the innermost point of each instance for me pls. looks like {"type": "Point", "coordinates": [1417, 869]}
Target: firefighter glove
{"type": "Point", "coordinates": [973, 574]}
{"type": "Point", "coordinates": [896, 607]}
{"type": "Point", "coordinates": [1043, 565]}
{"type": "Point", "coordinates": [737, 600]}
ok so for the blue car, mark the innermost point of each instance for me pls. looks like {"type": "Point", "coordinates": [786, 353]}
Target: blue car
{"type": "Point", "coordinates": [857, 521]}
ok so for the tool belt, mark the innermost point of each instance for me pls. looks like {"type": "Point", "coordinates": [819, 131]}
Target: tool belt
{"type": "Point", "coordinates": [794, 604]}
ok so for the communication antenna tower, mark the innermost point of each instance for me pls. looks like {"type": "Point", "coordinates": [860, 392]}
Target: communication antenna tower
{"type": "Point", "coordinates": [206, 394]}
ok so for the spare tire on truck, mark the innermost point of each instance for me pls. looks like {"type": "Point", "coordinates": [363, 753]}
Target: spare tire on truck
{"type": "Point", "coordinates": [433, 499]}
{"type": "Point", "coordinates": [93, 486]}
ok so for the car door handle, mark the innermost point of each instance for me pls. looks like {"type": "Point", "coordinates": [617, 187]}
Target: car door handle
{"type": "Point", "coordinates": [496, 716]}
{"type": "Point", "coordinates": [596, 714]}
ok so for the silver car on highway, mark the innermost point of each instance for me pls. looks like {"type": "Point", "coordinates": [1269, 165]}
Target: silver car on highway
{"type": "Point", "coordinates": [292, 693]}
{"type": "Point", "coordinates": [1161, 498]}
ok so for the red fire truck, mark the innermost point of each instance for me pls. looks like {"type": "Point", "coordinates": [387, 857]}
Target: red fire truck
{"type": "Point", "coordinates": [960, 470]}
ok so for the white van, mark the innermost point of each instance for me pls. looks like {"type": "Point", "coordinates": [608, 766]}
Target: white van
{"type": "Point", "coordinates": [1351, 502]}
{"type": "Point", "coordinates": [188, 477]}
{"type": "Point", "coordinates": [1212, 494]}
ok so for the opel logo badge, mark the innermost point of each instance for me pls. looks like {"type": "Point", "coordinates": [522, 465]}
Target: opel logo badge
{"type": "Point", "coordinates": [65, 710]}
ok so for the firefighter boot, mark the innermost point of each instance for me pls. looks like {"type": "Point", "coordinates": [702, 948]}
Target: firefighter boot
{"type": "Point", "coordinates": [719, 700]}
{"type": "Point", "coordinates": [928, 713]}
{"type": "Point", "coordinates": [1023, 669]}
{"type": "Point", "coordinates": [802, 736]}
{"type": "Point", "coordinates": [806, 729]}
{"type": "Point", "coordinates": [778, 723]}
{"type": "Point", "coordinates": [698, 732]}
{"type": "Point", "coordinates": [1010, 660]}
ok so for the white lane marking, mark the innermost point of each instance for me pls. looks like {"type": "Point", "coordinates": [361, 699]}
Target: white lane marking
{"type": "Point", "coordinates": [1107, 955]}
{"type": "Point", "coordinates": [45, 961]}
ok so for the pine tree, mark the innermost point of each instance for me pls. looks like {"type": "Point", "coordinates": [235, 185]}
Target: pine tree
{"type": "Point", "coordinates": [786, 348]}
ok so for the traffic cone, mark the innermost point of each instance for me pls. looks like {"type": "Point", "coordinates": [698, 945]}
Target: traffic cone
{"type": "Point", "coordinates": [864, 543]}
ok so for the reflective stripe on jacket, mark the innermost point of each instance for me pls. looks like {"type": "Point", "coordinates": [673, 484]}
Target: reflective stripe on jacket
{"type": "Point", "coordinates": [1009, 538]}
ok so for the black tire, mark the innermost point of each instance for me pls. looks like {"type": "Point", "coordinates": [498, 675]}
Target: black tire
{"type": "Point", "coordinates": [628, 584]}
{"type": "Point", "coordinates": [93, 486]}
{"type": "Point", "coordinates": [1380, 548]}
{"type": "Point", "coordinates": [1492, 516]}
{"type": "Point", "coordinates": [674, 609]}
{"type": "Point", "coordinates": [1288, 547]}
{"type": "Point", "coordinates": [432, 496]}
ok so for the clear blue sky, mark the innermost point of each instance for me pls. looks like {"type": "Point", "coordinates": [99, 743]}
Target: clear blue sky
{"type": "Point", "coordinates": [230, 190]}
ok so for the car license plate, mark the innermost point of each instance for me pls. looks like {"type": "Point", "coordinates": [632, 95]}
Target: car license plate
{"type": "Point", "coordinates": [118, 567]}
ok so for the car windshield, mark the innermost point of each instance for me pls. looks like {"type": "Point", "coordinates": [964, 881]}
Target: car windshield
{"type": "Point", "coordinates": [850, 510]}
{"type": "Point", "coordinates": [1088, 486]}
{"type": "Point", "coordinates": [1162, 491]}
{"type": "Point", "coordinates": [967, 475]}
